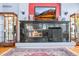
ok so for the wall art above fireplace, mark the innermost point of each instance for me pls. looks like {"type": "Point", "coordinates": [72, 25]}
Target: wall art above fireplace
{"type": "Point", "coordinates": [44, 11]}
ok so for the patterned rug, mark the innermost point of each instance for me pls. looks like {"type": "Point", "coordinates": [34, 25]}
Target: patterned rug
{"type": "Point", "coordinates": [39, 52]}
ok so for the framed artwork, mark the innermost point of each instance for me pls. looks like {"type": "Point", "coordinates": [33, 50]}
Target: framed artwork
{"type": "Point", "coordinates": [45, 13]}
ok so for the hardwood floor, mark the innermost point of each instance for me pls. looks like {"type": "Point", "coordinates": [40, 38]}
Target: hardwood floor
{"type": "Point", "coordinates": [75, 49]}
{"type": "Point", "coordinates": [3, 49]}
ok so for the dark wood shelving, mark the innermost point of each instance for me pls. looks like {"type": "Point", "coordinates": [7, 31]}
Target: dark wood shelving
{"type": "Point", "coordinates": [50, 33]}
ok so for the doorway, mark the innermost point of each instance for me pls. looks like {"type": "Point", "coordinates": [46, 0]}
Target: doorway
{"type": "Point", "coordinates": [8, 30]}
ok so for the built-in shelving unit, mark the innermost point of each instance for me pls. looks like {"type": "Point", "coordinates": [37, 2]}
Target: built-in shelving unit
{"type": "Point", "coordinates": [9, 32]}
{"type": "Point", "coordinates": [44, 31]}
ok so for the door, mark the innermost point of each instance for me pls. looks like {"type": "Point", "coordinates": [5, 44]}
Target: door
{"type": "Point", "coordinates": [10, 29]}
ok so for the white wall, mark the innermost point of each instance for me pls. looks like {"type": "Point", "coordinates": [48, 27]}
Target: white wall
{"type": "Point", "coordinates": [69, 7]}
{"type": "Point", "coordinates": [1, 29]}
{"type": "Point", "coordinates": [23, 7]}
{"type": "Point", "coordinates": [9, 8]}
{"type": "Point", "coordinates": [17, 8]}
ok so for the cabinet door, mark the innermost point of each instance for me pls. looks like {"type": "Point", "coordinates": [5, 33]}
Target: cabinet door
{"type": "Point", "coordinates": [10, 25]}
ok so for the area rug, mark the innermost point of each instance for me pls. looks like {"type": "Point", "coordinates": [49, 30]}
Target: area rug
{"type": "Point", "coordinates": [39, 52]}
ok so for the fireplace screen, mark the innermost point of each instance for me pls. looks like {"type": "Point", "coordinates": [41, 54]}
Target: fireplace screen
{"type": "Point", "coordinates": [44, 31]}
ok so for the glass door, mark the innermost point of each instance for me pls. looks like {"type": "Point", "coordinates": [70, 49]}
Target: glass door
{"type": "Point", "coordinates": [10, 29]}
